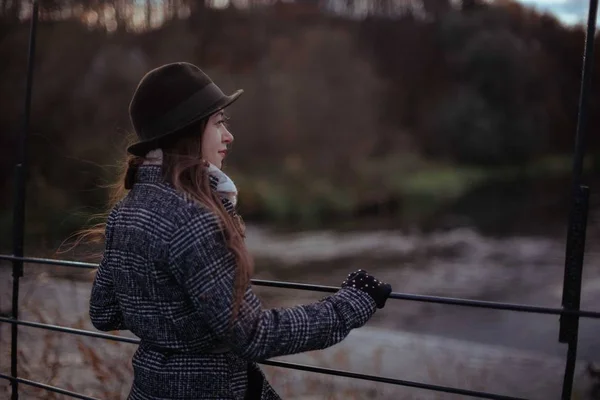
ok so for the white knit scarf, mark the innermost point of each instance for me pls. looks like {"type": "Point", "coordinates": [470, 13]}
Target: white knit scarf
{"type": "Point", "coordinates": [225, 186]}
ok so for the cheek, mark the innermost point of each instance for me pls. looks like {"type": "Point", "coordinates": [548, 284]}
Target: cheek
{"type": "Point", "coordinates": [208, 139]}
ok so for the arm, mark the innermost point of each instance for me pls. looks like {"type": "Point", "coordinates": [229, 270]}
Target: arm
{"type": "Point", "coordinates": [105, 312]}
{"type": "Point", "coordinates": [204, 266]}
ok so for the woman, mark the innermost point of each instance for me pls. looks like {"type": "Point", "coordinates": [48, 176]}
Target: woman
{"type": "Point", "coordinates": [175, 270]}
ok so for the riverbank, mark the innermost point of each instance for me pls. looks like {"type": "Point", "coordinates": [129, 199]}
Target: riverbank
{"type": "Point", "coordinates": [403, 187]}
{"type": "Point", "coordinates": [402, 192]}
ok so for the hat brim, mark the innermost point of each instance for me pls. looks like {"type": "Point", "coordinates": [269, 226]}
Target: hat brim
{"type": "Point", "coordinates": [141, 148]}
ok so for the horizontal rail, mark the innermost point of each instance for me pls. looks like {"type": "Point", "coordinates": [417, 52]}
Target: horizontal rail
{"type": "Point", "coordinates": [74, 331]}
{"type": "Point", "coordinates": [332, 289]}
{"type": "Point", "coordinates": [281, 364]}
{"type": "Point", "coordinates": [47, 387]}
{"type": "Point", "coordinates": [442, 300]}
{"type": "Point", "coordinates": [399, 382]}
{"type": "Point", "coordinates": [49, 261]}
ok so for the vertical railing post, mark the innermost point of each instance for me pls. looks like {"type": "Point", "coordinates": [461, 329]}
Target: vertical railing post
{"type": "Point", "coordinates": [19, 200]}
{"type": "Point", "coordinates": [569, 324]}
{"type": "Point", "coordinates": [571, 296]}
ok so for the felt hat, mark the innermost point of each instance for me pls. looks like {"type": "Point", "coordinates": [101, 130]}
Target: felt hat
{"type": "Point", "coordinates": [170, 98]}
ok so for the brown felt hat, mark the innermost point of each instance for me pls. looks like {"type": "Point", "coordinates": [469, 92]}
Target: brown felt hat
{"type": "Point", "coordinates": [170, 98]}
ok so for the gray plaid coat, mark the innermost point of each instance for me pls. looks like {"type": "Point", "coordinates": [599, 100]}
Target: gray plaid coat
{"type": "Point", "coordinates": [167, 277]}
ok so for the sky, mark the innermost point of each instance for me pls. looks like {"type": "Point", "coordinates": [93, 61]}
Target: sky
{"type": "Point", "coordinates": [569, 12]}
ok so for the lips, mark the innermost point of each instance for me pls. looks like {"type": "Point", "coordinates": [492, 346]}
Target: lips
{"type": "Point", "coordinates": [223, 153]}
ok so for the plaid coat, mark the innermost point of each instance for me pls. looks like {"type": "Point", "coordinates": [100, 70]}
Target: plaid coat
{"type": "Point", "coordinates": [167, 277]}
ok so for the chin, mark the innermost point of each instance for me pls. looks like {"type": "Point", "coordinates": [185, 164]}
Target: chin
{"type": "Point", "coordinates": [217, 162]}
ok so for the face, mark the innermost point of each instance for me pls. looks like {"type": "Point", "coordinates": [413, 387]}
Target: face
{"type": "Point", "coordinates": [215, 139]}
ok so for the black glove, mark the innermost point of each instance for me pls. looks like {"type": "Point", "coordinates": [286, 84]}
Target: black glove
{"type": "Point", "coordinates": [379, 291]}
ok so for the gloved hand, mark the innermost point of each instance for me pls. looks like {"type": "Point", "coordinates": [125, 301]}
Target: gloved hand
{"type": "Point", "coordinates": [379, 291]}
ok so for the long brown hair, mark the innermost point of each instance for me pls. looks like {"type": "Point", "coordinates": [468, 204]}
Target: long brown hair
{"type": "Point", "coordinates": [184, 168]}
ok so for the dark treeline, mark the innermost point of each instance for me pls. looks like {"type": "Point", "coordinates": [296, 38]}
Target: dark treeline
{"type": "Point", "coordinates": [331, 86]}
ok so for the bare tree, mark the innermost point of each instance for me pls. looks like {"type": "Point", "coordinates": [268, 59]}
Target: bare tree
{"type": "Point", "coordinates": [436, 8]}
{"type": "Point", "coordinates": [383, 7]}
{"type": "Point", "coordinates": [148, 14]}
{"type": "Point", "coordinates": [11, 9]}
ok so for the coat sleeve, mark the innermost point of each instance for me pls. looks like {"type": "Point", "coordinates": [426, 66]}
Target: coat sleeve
{"type": "Point", "coordinates": [205, 268]}
{"type": "Point", "coordinates": [105, 312]}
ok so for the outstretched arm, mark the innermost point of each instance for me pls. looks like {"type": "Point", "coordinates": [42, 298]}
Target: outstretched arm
{"type": "Point", "coordinates": [204, 266]}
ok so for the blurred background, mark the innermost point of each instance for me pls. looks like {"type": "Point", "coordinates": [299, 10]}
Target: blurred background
{"type": "Point", "coordinates": [429, 142]}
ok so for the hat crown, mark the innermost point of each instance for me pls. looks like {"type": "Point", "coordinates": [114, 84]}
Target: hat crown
{"type": "Point", "coordinates": [161, 90]}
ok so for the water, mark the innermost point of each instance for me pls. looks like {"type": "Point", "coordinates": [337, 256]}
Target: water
{"type": "Point", "coordinates": [457, 263]}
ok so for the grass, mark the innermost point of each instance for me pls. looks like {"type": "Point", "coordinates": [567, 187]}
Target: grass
{"type": "Point", "coordinates": [408, 188]}
{"type": "Point", "coordinates": [44, 355]}
{"type": "Point", "coordinates": [418, 187]}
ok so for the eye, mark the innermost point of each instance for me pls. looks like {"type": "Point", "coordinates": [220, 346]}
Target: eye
{"type": "Point", "coordinates": [223, 121]}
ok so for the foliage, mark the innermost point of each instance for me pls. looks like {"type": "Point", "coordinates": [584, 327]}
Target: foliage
{"type": "Point", "coordinates": [327, 97]}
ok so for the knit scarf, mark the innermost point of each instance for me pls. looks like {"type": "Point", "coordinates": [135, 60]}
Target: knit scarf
{"type": "Point", "coordinates": [225, 186]}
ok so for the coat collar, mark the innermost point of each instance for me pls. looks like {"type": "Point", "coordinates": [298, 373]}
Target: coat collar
{"type": "Point", "coordinates": [151, 173]}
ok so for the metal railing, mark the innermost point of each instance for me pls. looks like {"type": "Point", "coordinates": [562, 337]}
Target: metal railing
{"type": "Point", "coordinates": [569, 313]}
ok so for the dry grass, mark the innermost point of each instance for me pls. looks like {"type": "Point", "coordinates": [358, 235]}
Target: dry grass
{"type": "Point", "coordinates": [94, 367]}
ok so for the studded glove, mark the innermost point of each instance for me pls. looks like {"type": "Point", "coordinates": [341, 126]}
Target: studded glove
{"type": "Point", "coordinates": [379, 291]}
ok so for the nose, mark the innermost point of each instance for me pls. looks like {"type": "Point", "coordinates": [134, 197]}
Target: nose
{"type": "Point", "coordinates": [227, 136]}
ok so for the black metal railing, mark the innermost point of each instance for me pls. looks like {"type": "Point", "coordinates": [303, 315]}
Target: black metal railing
{"type": "Point", "coordinates": [569, 313]}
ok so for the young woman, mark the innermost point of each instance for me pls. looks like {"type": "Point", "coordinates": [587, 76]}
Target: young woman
{"type": "Point", "coordinates": [175, 270]}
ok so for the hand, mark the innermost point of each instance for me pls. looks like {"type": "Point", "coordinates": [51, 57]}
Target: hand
{"type": "Point", "coordinates": [379, 291]}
